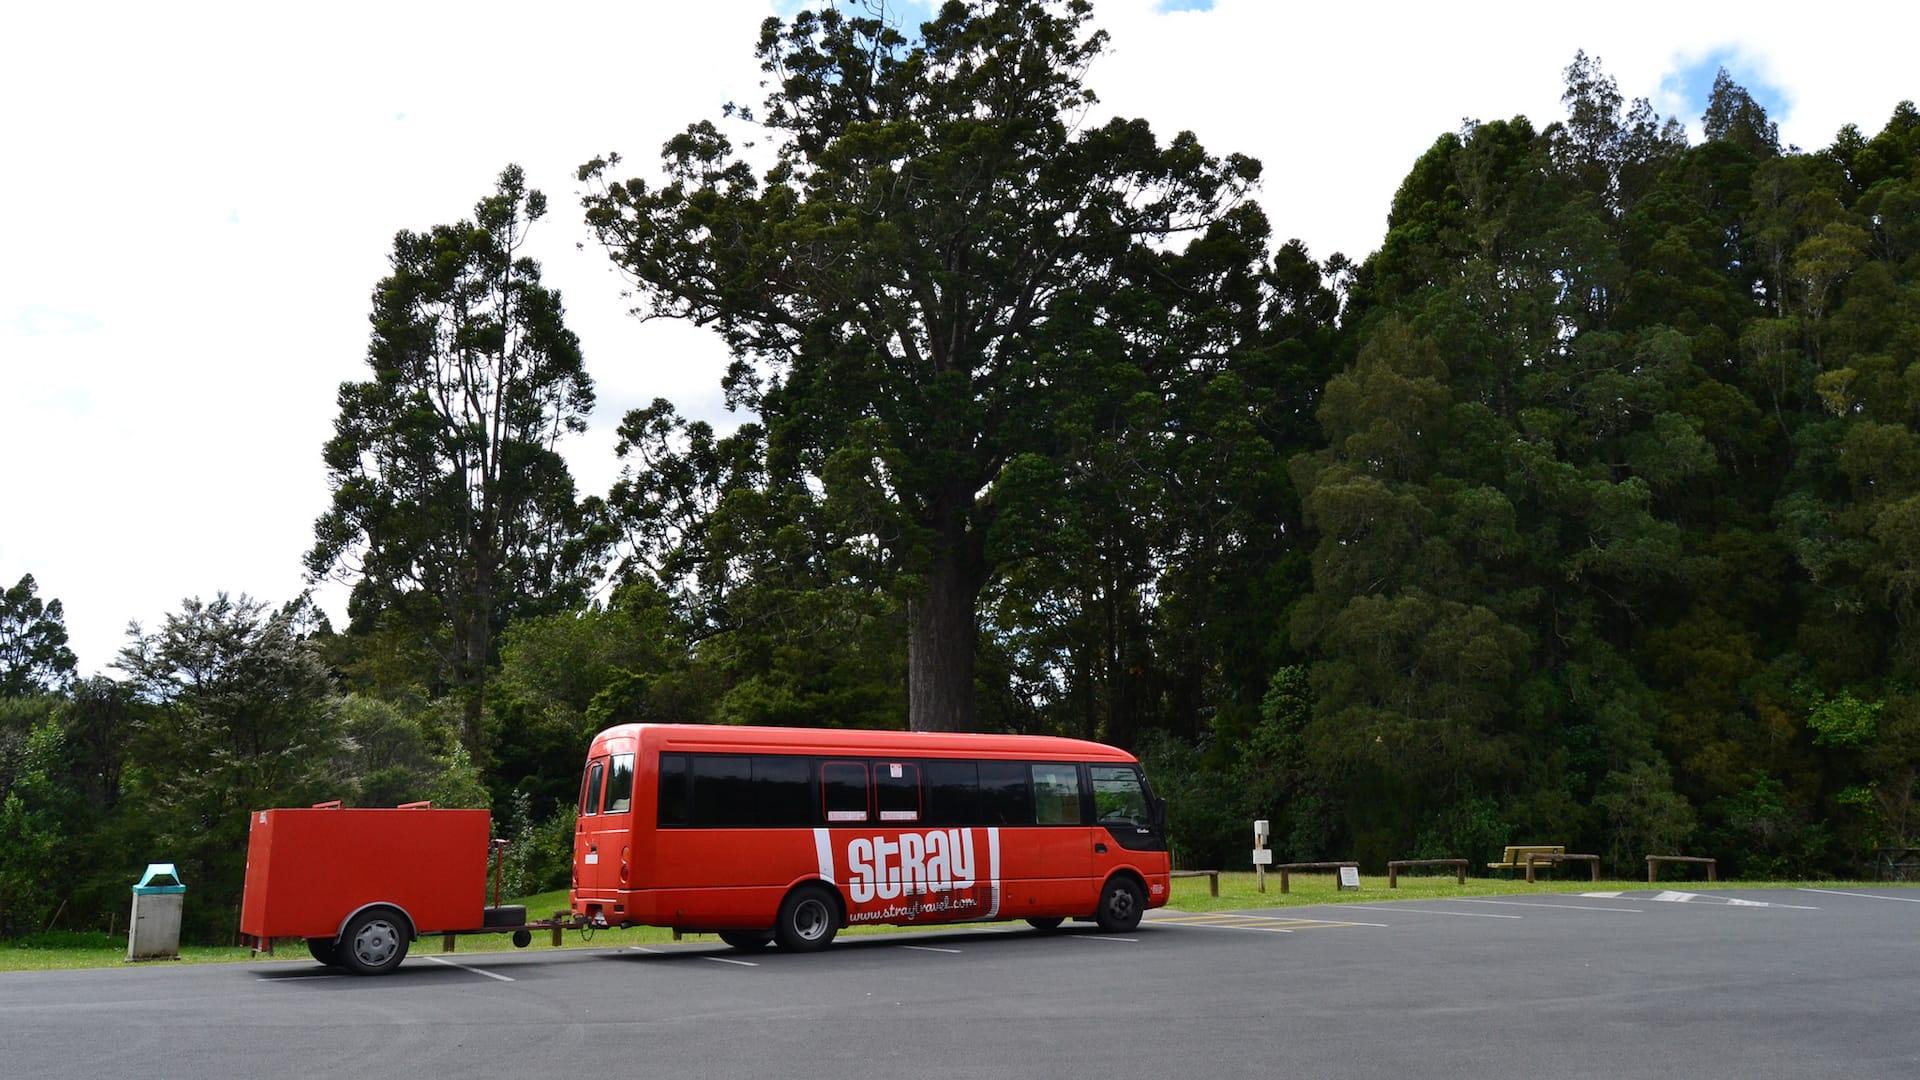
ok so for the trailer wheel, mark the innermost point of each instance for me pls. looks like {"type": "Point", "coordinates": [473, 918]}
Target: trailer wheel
{"type": "Point", "coordinates": [1046, 925]}
{"type": "Point", "coordinates": [809, 917]}
{"type": "Point", "coordinates": [325, 950]}
{"type": "Point", "coordinates": [747, 939]}
{"type": "Point", "coordinates": [522, 938]}
{"type": "Point", "coordinates": [375, 941]}
{"type": "Point", "coordinates": [1121, 905]}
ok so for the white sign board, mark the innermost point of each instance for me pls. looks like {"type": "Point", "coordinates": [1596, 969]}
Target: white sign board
{"type": "Point", "coordinates": [1262, 857]}
{"type": "Point", "coordinates": [1259, 830]}
{"type": "Point", "coordinates": [1350, 877]}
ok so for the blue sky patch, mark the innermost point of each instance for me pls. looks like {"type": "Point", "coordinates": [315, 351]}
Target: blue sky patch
{"type": "Point", "coordinates": [1186, 5]}
{"type": "Point", "coordinates": [1691, 86]}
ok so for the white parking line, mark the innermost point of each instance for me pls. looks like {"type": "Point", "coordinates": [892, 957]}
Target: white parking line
{"type": "Point", "coordinates": [724, 960]}
{"type": "Point", "coordinates": [1104, 937]}
{"type": "Point", "coordinates": [1435, 911]}
{"type": "Point", "coordinates": [1866, 895]}
{"type": "Point", "coordinates": [296, 978]}
{"type": "Point", "coordinates": [469, 967]}
{"type": "Point", "coordinates": [928, 948]}
{"type": "Point", "coordinates": [1531, 903]}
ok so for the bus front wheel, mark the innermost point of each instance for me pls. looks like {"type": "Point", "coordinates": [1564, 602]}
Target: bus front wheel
{"type": "Point", "coordinates": [1121, 906]}
{"type": "Point", "coordinates": [809, 918]}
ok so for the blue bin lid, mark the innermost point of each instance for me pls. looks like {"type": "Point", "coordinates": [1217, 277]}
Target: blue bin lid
{"type": "Point", "coordinates": [159, 869]}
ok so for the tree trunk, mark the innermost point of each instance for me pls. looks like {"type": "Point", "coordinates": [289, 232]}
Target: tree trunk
{"type": "Point", "coordinates": [941, 637]}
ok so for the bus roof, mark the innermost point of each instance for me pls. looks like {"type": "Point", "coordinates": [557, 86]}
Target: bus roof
{"type": "Point", "coordinates": [728, 738]}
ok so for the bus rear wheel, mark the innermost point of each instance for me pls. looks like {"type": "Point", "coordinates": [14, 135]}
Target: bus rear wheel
{"type": "Point", "coordinates": [747, 939]}
{"type": "Point", "coordinates": [809, 918]}
{"type": "Point", "coordinates": [1046, 925]}
{"type": "Point", "coordinates": [1121, 906]}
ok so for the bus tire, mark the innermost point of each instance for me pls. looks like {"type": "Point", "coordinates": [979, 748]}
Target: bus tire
{"type": "Point", "coordinates": [809, 917]}
{"type": "Point", "coordinates": [375, 941]}
{"type": "Point", "coordinates": [1121, 905]}
{"type": "Point", "coordinates": [747, 939]}
{"type": "Point", "coordinates": [1047, 925]}
{"type": "Point", "coordinates": [325, 950]}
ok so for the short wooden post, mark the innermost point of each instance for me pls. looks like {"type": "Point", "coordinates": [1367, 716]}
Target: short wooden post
{"type": "Point", "coordinates": [1460, 868]}
{"type": "Point", "coordinates": [1393, 875]}
{"type": "Point", "coordinates": [446, 943]}
{"type": "Point", "coordinates": [1595, 864]}
{"type": "Point", "coordinates": [1213, 884]}
{"type": "Point", "coordinates": [1653, 871]}
{"type": "Point", "coordinates": [1713, 866]}
{"type": "Point", "coordinates": [1283, 879]}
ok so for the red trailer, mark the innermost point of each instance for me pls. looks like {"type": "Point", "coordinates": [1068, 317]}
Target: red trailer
{"type": "Point", "coordinates": [360, 885]}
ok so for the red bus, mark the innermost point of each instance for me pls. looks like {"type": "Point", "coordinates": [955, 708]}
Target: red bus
{"type": "Point", "coordinates": [786, 835]}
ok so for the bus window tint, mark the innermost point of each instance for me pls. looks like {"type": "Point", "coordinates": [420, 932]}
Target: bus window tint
{"type": "Point", "coordinates": [843, 791]}
{"type": "Point", "coordinates": [620, 784]}
{"type": "Point", "coordinates": [953, 793]}
{"type": "Point", "coordinates": [781, 791]}
{"type": "Point", "coordinates": [1056, 794]}
{"type": "Point", "coordinates": [673, 789]}
{"type": "Point", "coordinates": [592, 805]}
{"type": "Point", "coordinates": [897, 787]}
{"type": "Point", "coordinates": [1118, 796]}
{"type": "Point", "coordinates": [1006, 795]}
{"type": "Point", "coordinates": [722, 790]}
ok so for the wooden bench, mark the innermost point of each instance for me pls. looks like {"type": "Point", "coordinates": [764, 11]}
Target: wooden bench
{"type": "Point", "coordinates": [1536, 858]}
{"type": "Point", "coordinates": [1515, 856]}
{"type": "Point", "coordinates": [1397, 865]}
{"type": "Point", "coordinates": [1212, 876]}
{"type": "Point", "coordinates": [1292, 867]}
{"type": "Point", "coordinates": [1654, 861]}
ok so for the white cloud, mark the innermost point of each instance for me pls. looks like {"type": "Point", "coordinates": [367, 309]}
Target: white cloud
{"type": "Point", "coordinates": [202, 197]}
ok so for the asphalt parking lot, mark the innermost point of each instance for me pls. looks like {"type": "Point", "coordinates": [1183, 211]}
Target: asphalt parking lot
{"type": "Point", "coordinates": [1647, 983]}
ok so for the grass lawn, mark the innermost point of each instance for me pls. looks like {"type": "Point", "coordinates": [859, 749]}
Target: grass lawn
{"type": "Point", "coordinates": [1237, 891]}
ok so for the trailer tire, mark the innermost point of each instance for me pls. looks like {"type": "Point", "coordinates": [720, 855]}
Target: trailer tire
{"type": "Point", "coordinates": [747, 939]}
{"type": "Point", "coordinates": [375, 941]}
{"type": "Point", "coordinates": [326, 950]}
{"type": "Point", "coordinates": [809, 917]}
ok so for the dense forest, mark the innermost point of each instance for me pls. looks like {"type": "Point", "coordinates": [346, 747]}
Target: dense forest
{"type": "Point", "coordinates": [1585, 510]}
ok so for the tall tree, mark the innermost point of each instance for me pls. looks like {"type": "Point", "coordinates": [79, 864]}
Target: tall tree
{"type": "Point", "coordinates": [452, 508]}
{"type": "Point", "coordinates": [34, 657]}
{"type": "Point", "coordinates": [238, 717]}
{"type": "Point", "coordinates": [937, 264]}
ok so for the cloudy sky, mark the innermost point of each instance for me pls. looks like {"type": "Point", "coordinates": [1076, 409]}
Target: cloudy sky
{"type": "Point", "coordinates": [203, 196]}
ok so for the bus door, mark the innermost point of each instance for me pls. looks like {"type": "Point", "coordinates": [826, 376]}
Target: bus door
{"type": "Point", "coordinates": [604, 829]}
{"type": "Point", "coordinates": [1057, 863]}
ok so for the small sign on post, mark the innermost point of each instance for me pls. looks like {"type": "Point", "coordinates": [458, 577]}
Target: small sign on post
{"type": "Point", "coordinates": [1350, 878]}
{"type": "Point", "coordinates": [1262, 858]}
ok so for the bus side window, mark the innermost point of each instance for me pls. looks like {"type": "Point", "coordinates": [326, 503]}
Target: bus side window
{"type": "Point", "coordinates": [843, 791]}
{"type": "Point", "coordinates": [1006, 794]}
{"type": "Point", "coordinates": [953, 793]}
{"type": "Point", "coordinates": [619, 784]}
{"type": "Point", "coordinates": [673, 789]}
{"type": "Point", "coordinates": [782, 794]}
{"type": "Point", "coordinates": [897, 786]}
{"type": "Point", "coordinates": [722, 790]}
{"type": "Point", "coordinates": [1056, 794]}
{"type": "Point", "coordinates": [592, 805]}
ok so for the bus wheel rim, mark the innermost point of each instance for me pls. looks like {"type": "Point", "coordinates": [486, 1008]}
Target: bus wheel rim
{"type": "Point", "coordinates": [810, 919]}
{"type": "Point", "coordinates": [1120, 904]}
{"type": "Point", "coordinates": [376, 942]}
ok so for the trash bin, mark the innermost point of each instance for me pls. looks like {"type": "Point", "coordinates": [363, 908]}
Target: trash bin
{"type": "Point", "coordinates": [153, 931]}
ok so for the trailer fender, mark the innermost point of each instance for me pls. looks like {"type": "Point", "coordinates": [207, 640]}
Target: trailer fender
{"type": "Point", "coordinates": [413, 932]}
